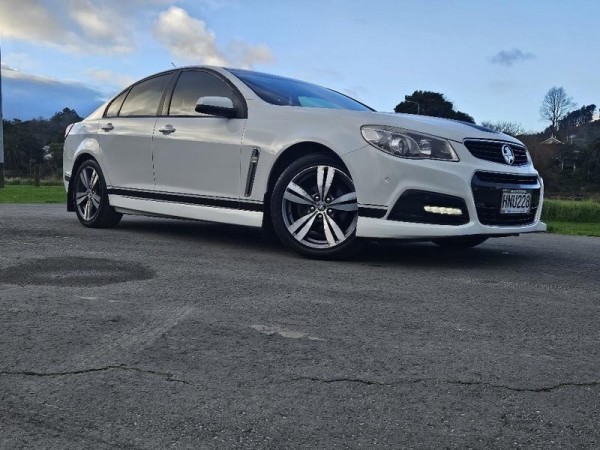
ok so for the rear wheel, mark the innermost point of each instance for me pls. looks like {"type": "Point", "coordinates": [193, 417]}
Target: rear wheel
{"type": "Point", "coordinates": [314, 208]}
{"type": "Point", "coordinates": [460, 242]}
{"type": "Point", "coordinates": [90, 197]}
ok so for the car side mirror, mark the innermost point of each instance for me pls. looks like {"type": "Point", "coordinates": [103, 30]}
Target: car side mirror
{"type": "Point", "coordinates": [217, 106]}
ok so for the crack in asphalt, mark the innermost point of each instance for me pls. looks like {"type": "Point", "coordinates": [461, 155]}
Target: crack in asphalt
{"type": "Point", "coordinates": [455, 382]}
{"type": "Point", "coordinates": [169, 376]}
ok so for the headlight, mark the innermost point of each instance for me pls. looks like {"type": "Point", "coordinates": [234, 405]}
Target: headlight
{"type": "Point", "coordinates": [408, 144]}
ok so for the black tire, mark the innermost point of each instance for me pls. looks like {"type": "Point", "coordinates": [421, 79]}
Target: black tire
{"type": "Point", "coordinates": [460, 242]}
{"type": "Point", "coordinates": [330, 231]}
{"type": "Point", "coordinates": [94, 196]}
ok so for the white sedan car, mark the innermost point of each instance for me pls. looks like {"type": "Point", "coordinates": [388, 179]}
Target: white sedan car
{"type": "Point", "coordinates": [318, 168]}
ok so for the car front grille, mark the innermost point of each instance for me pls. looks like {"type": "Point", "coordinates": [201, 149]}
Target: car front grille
{"type": "Point", "coordinates": [507, 178]}
{"type": "Point", "coordinates": [492, 151]}
{"type": "Point", "coordinates": [487, 191]}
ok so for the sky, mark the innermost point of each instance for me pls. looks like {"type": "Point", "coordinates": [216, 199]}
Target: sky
{"type": "Point", "coordinates": [494, 59]}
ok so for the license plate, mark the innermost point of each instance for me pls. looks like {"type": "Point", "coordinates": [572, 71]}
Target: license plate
{"type": "Point", "coordinates": [515, 201]}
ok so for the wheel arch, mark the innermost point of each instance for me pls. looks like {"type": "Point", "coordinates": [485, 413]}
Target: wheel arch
{"type": "Point", "coordinates": [283, 160]}
{"type": "Point", "coordinates": [81, 158]}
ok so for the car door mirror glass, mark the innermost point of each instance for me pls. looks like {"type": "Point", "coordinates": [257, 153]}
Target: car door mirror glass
{"type": "Point", "coordinates": [216, 106]}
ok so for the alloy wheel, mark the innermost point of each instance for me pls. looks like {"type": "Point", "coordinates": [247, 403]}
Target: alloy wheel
{"type": "Point", "coordinates": [88, 193]}
{"type": "Point", "coordinates": [320, 207]}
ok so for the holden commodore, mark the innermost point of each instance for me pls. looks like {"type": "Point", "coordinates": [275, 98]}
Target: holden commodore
{"type": "Point", "coordinates": [318, 168]}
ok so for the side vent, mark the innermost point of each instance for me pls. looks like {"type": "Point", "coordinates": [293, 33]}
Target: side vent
{"type": "Point", "coordinates": [252, 171]}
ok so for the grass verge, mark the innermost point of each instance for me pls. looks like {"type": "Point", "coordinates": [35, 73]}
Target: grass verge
{"type": "Point", "coordinates": [571, 211]}
{"type": "Point", "coordinates": [32, 194]}
{"type": "Point", "coordinates": [574, 228]}
{"type": "Point", "coordinates": [578, 218]}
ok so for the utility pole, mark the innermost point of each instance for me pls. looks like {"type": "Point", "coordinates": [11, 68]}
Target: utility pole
{"type": "Point", "coordinates": [1, 129]}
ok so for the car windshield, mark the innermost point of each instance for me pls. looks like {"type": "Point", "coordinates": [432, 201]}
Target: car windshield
{"type": "Point", "coordinates": [288, 92]}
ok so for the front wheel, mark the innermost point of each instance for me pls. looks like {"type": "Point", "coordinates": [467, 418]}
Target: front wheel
{"type": "Point", "coordinates": [90, 197]}
{"type": "Point", "coordinates": [460, 242]}
{"type": "Point", "coordinates": [314, 208]}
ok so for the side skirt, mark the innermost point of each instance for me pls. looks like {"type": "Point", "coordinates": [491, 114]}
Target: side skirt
{"type": "Point", "coordinates": [129, 205]}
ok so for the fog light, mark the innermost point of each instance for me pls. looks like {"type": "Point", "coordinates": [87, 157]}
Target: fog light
{"type": "Point", "coordinates": [443, 210]}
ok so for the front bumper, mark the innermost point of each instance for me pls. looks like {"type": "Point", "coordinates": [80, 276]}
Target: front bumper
{"type": "Point", "coordinates": [381, 180]}
{"type": "Point", "coordinates": [387, 229]}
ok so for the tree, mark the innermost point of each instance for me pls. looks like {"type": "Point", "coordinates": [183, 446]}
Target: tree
{"type": "Point", "coordinates": [60, 121]}
{"type": "Point", "coordinates": [574, 119]}
{"type": "Point", "coordinates": [428, 103]}
{"type": "Point", "coordinates": [556, 105]}
{"type": "Point", "coordinates": [506, 127]}
{"type": "Point", "coordinates": [25, 141]}
{"type": "Point", "coordinates": [591, 163]}
{"type": "Point", "coordinates": [56, 152]}
{"type": "Point", "coordinates": [545, 159]}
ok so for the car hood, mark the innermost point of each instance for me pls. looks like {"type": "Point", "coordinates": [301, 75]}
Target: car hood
{"type": "Point", "coordinates": [450, 129]}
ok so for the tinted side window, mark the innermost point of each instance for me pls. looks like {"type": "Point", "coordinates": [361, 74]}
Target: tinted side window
{"type": "Point", "coordinates": [194, 84]}
{"type": "Point", "coordinates": [144, 98]}
{"type": "Point", "coordinates": [115, 105]}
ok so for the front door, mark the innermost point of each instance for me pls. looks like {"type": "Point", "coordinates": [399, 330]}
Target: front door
{"type": "Point", "coordinates": [196, 154]}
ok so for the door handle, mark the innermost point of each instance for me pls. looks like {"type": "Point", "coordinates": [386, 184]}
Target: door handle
{"type": "Point", "coordinates": [107, 127]}
{"type": "Point", "coordinates": [167, 129]}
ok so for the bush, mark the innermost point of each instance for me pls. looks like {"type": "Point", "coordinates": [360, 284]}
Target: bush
{"type": "Point", "coordinates": [571, 211]}
{"type": "Point", "coordinates": [17, 181]}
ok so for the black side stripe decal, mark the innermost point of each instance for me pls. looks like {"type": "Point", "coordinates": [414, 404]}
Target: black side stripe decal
{"type": "Point", "coordinates": [218, 202]}
{"type": "Point", "coordinates": [187, 199]}
{"type": "Point", "coordinates": [131, 193]}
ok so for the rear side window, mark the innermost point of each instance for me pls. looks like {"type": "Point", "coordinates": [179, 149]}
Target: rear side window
{"type": "Point", "coordinates": [144, 98]}
{"type": "Point", "coordinates": [115, 105]}
{"type": "Point", "coordinates": [191, 86]}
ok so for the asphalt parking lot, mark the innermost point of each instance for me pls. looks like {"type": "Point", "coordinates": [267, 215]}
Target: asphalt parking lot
{"type": "Point", "coordinates": [174, 334]}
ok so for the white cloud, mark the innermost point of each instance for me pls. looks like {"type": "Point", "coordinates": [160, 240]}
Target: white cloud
{"type": "Point", "coordinates": [26, 96]}
{"type": "Point", "coordinates": [10, 73]}
{"type": "Point", "coordinates": [110, 27]}
{"type": "Point", "coordinates": [187, 37]}
{"type": "Point", "coordinates": [23, 61]}
{"type": "Point", "coordinates": [13, 73]}
{"type": "Point", "coordinates": [32, 21]}
{"type": "Point", "coordinates": [101, 27]}
{"type": "Point", "coordinates": [109, 78]}
{"type": "Point", "coordinates": [90, 26]}
{"type": "Point", "coordinates": [191, 40]}
{"type": "Point", "coordinates": [246, 55]}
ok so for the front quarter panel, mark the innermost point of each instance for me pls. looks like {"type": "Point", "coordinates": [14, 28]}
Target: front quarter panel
{"type": "Point", "coordinates": [274, 129]}
{"type": "Point", "coordinates": [82, 140]}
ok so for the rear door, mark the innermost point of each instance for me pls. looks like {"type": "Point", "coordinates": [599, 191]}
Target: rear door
{"type": "Point", "coordinates": [198, 154]}
{"type": "Point", "coordinates": [125, 134]}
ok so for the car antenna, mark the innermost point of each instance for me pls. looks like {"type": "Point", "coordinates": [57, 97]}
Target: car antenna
{"type": "Point", "coordinates": [173, 64]}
